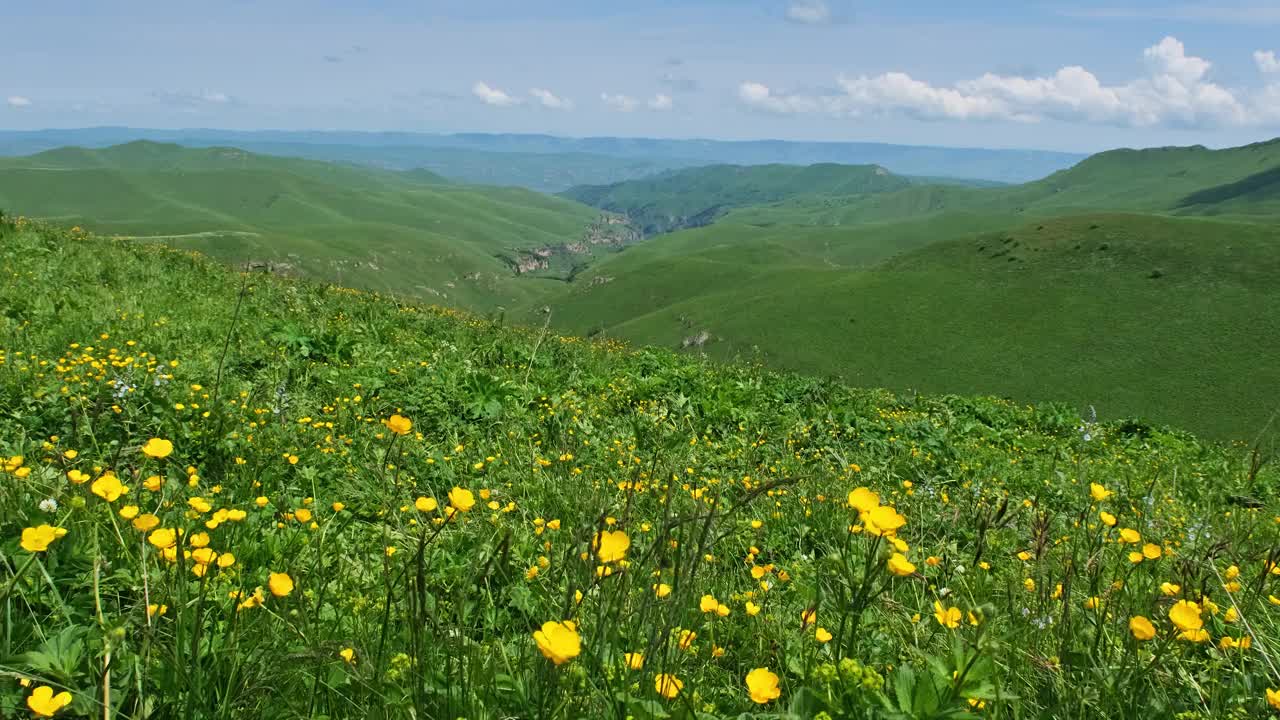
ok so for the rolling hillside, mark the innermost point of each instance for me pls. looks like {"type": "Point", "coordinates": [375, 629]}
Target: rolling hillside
{"type": "Point", "coordinates": [698, 196]}
{"type": "Point", "coordinates": [1095, 285]}
{"type": "Point", "coordinates": [405, 232]}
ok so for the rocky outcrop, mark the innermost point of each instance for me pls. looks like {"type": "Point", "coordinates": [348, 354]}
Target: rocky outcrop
{"type": "Point", "coordinates": [610, 232]}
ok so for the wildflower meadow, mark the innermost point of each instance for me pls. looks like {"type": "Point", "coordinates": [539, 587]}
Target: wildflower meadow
{"type": "Point", "coordinates": [231, 495]}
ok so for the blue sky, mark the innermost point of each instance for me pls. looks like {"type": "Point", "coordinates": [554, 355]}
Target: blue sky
{"type": "Point", "coordinates": [1080, 75]}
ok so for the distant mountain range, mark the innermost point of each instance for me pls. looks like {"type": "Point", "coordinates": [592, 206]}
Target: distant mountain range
{"type": "Point", "coordinates": [551, 164]}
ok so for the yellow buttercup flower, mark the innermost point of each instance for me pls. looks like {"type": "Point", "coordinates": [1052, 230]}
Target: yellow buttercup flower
{"type": "Point", "coordinates": [662, 590]}
{"type": "Point", "coordinates": [399, 424]}
{"type": "Point", "coordinates": [884, 520]}
{"type": "Point", "coordinates": [426, 504]}
{"type": "Point", "coordinates": [946, 617]}
{"type": "Point", "coordinates": [1098, 492]}
{"type": "Point", "coordinates": [162, 537]}
{"type": "Point", "coordinates": [108, 487]}
{"type": "Point", "coordinates": [1273, 698]}
{"type": "Point", "coordinates": [43, 702]}
{"type": "Point", "coordinates": [899, 565]}
{"type": "Point", "coordinates": [461, 499]}
{"type": "Point", "coordinates": [1141, 628]}
{"type": "Point", "coordinates": [667, 685]}
{"type": "Point", "coordinates": [863, 500]}
{"type": "Point", "coordinates": [635, 661]}
{"type": "Point", "coordinates": [348, 655]}
{"type": "Point", "coordinates": [822, 635]}
{"type": "Point", "coordinates": [612, 545]}
{"type": "Point", "coordinates": [157, 448]}
{"type": "Point", "coordinates": [39, 538]}
{"type": "Point", "coordinates": [762, 686]}
{"type": "Point", "coordinates": [1151, 551]}
{"type": "Point", "coordinates": [146, 522]}
{"type": "Point", "coordinates": [558, 641]}
{"type": "Point", "coordinates": [280, 584]}
{"type": "Point", "coordinates": [1185, 615]}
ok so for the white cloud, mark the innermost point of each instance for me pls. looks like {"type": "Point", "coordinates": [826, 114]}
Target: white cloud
{"type": "Point", "coordinates": [492, 95]}
{"type": "Point", "coordinates": [1174, 91]}
{"type": "Point", "coordinates": [1267, 62]}
{"type": "Point", "coordinates": [809, 12]}
{"type": "Point", "coordinates": [18, 101]}
{"type": "Point", "coordinates": [1234, 14]}
{"type": "Point", "coordinates": [660, 102]}
{"type": "Point", "coordinates": [621, 103]}
{"type": "Point", "coordinates": [548, 99]}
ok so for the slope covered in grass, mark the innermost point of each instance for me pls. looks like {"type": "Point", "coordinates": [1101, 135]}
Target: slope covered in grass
{"type": "Point", "coordinates": [698, 196]}
{"type": "Point", "coordinates": [407, 232]}
{"type": "Point", "coordinates": [1171, 319]}
{"type": "Point", "coordinates": [228, 495]}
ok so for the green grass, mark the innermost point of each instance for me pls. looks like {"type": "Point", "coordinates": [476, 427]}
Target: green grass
{"type": "Point", "coordinates": [1012, 595]}
{"type": "Point", "coordinates": [410, 232]}
{"type": "Point", "coordinates": [1061, 309]}
{"type": "Point", "coordinates": [698, 196]}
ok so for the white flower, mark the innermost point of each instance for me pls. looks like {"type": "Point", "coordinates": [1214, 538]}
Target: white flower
{"type": "Point", "coordinates": [49, 505]}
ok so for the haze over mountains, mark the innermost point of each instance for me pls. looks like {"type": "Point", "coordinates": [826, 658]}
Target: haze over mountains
{"type": "Point", "coordinates": [1140, 282]}
{"type": "Point", "coordinates": [552, 164]}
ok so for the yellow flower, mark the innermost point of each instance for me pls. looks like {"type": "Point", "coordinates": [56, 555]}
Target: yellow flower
{"type": "Point", "coordinates": [145, 522]}
{"type": "Point", "coordinates": [1186, 615]}
{"type": "Point", "coordinates": [808, 617]}
{"type": "Point", "coordinates": [946, 617]}
{"type": "Point", "coordinates": [1029, 584]}
{"type": "Point", "coordinates": [1098, 493]}
{"type": "Point", "coordinates": [157, 609]}
{"type": "Point", "coordinates": [762, 685]}
{"type": "Point", "coordinates": [900, 566]}
{"type": "Point", "coordinates": [1092, 603]}
{"type": "Point", "coordinates": [1151, 551]}
{"type": "Point", "coordinates": [1232, 573]}
{"type": "Point", "coordinates": [39, 538]}
{"type": "Point", "coordinates": [667, 685]}
{"type": "Point", "coordinates": [1196, 636]}
{"type": "Point", "coordinates": [461, 499]}
{"type": "Point", "coordinates": [426, 504]}
{"type": "Point", "coordinates": [280, 584]}
{"type": "Point", "coordinates": [302, 515]}
{"type": "Point", "coordinates": [77, 477]}
{"type": "Point", "coordinates": [339, 507]}
{"type": "Point", "coordinates": [108, 487]}
{"type": "Point", "coordinates": [612, 546]}
{"type": "Point", "coordinates": [1129, 535]}
{"type": "Point", "coordinates": [884, 520]}
{"type": "Point", "coordinates": [129, 512]}
{"type": "Point", "coordinates": [399, 424]}
{"type": "Point", "coordinates": [558, 641]}
{"type": "Point", "coordinates": [348, 655]}
{"type": "Point", "coordinates": [822, 635]}
{"type": "Point", "coordinates": [635, 661]}
{"type": "Point", "coordinates": [863, 500]}
{"type": "Point", "coordinates": [45, 703]}
{"type": "Point", "coordinates": [1169, 589]}
{"type": "Point", "coordinates": [161, 537]}
{"type": "Point", "coordinates": [708, 604]}
{"type": "Point", "coordinates": [686, 639]}
{"type": "Point", "coordinates": [752, 609]}
{"type": "Point", "coordinates": [1273, 698]}
{"type": "Point", "coordinates": [1141, 628]}
{"type": "Point", "coordinates": [662, 590]}
{"type": "Point", "coordinates": [157, 448]}
{"type": "Point", "coordinates": [1107, 518]}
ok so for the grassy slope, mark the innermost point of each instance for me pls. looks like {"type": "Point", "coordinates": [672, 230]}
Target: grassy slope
{"type": "Point", "coordinates": [489, 405]}
{"type": "Point", "coordinates": [698, 196]}
{"type": "Point", "coordinates": [402, 232]}
{"type": "Point", "coordinates": [1086, 324]}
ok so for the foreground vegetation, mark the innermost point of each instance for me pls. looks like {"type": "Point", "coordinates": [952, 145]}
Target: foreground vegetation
{"type": "Point", "coordinates": [230, 495]}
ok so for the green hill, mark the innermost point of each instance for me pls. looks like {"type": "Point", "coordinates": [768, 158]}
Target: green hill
{"type": "Point", "coordinates": [238, 495]}
{"type": "Point", "coordinates": [698, 196]}
{"type": "Point", "coordinates": [1167, 318]}
{"type": "Point", "coordinates": [407, 232]}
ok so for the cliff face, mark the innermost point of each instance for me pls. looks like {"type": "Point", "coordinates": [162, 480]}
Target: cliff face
{"type": "Point", "coordinates": [609, 232]}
